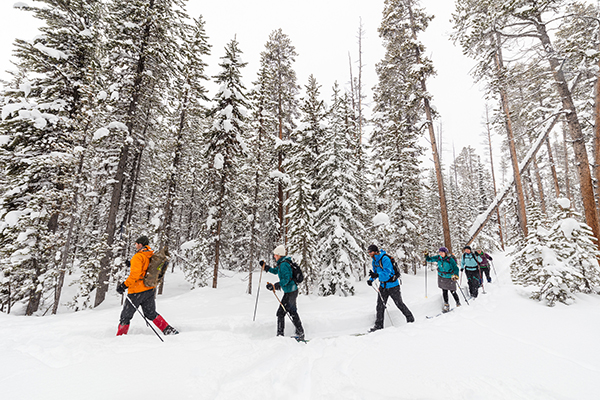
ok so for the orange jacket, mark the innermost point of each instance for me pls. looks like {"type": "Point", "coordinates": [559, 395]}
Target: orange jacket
{"type": "Point", "coordinates": [137, 271]}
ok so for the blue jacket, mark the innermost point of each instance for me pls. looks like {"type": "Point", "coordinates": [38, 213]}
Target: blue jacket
{"type": "Point", "coordinates": [283, 270]}
{"type": "Point", "coordinates": [446, 266]}
{"type": "Point", "coordinates": [383, 266]}
{"type": "Point", "coordinates": [470, 262]}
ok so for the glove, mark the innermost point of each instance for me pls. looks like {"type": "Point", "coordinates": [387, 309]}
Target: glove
{"type": "Point", "coordinates": [454, 278]}
{"type": "Point", "coordinates": [128, 263]}
{"type": "Point", "coordinates": [264, 265]}
{"type": "Point", "coordinates": [269, 286]}
{"type": "Point", "coordinates": [370, 282]}
{"type": "Point", "coordinates": [373, 274]}
{"type": "Point", "coordinates": [277, 286]}
{"type": "Point", "coordinates": [426, 254]}
{"type": "Point", "coordinates": [121, 288]}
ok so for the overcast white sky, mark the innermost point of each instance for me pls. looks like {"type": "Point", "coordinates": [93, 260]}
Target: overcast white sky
{"type": "Point", "coordinates": [323, 32]}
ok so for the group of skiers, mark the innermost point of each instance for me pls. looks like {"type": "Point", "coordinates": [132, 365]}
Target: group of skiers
{"type": "Point", "coordinates": [475, 264]}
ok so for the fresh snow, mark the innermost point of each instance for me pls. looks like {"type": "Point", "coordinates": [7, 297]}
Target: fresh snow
{"type": "Point", "coordinates": [502, 346]}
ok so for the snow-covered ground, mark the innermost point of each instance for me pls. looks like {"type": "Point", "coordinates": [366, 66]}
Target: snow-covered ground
{"type": "Point", "coordinates": [502, 346]}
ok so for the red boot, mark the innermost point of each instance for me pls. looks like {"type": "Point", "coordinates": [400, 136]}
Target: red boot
{"type": "Point", "coordinates": [123, 329]}
{"type": "Point", "coordinates": [160, 323]}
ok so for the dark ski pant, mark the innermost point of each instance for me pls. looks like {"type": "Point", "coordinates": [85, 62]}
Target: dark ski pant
{"type": "Point", "coordinates": [486, 271]}
{"type": "Point", "coordinates": [144, 299]}
{"type": "Point", "coordinates": [473, 277]}
{"type": "Point", "coordinates": [289, 302]}
{"type": "Point", "coordinates": [394, 293]}
{"type": "Point", "coordinates": [445, 296]}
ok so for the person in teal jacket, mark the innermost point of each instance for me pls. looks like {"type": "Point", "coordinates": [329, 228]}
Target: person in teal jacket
{"type": "Point", "coordinates": [283, 270]}
{"type": "Point", "coordinates": [470, 263]}
{"type": "Point", "coordinates": [388, 286]}
{"type": "Point", "coordinates": [447, 275]}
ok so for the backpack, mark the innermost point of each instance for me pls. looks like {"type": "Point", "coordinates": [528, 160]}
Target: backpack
{"type": "Point", "coordinates": [394, 265]}
{"type": "Point", "coordinates": [157, 267]}
{"type": "Point", "coordinates": [297, 275]}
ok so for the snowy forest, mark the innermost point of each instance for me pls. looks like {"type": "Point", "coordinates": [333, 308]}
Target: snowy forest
{"type": "Point", "coordinates": [108, 132]}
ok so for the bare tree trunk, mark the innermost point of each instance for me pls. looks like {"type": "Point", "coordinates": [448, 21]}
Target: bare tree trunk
{"type": "Point", "coordinates": [521, 214]}
{"type": "Point", "coordinates": [360, 67]}
{"type": "Point", "coordinates": [581, 156]}
{"type": "Point", "coordinates": [218, 232]}
{"type": "Point", "coordinates": [552, 167]}
{"type": "Point", "coordinates": [566, 162]}
{"type": "Point", "coordinates": [253, 231]}
{"type": "Point", "coordinates": [434, 149]}
{"type": "Point", "coordinates": [489, 137]}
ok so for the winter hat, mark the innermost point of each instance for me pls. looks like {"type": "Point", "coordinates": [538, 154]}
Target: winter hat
{"type": "Point", "coordinates": [443, 249]}
{"type": "Point", "coordinates": [373, 248]}
{"type": "Point", "coordinates": [143, 240]}
{"type": "Point", "coordinates": [467, 248]}
{"type": "Point", "coordinates": [280, 250]}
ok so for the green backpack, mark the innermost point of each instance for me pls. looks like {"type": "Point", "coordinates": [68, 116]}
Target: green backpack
{"type": "Point", "coordinates": [157, 267]}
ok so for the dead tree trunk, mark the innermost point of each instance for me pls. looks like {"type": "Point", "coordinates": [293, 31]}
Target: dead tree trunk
{"type": "Point", "coordinates": [521, 214]}
{"type": "Point", "coordinates": [578, 140]}
{"type": "Point", "coordinates": [489, 137]}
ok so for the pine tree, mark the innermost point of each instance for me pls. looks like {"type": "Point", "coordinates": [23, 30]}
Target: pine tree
{"type": "Point", "coordinates": [302, 152]}
{"type": "Point", "coordinates": [341, 234]}
{"type": "Point", "coordinates": [400, 104]}
{"type": "Point", "coordinates": [276, 63]}
{"type": "Point", "coordinates": [223, 153]}
{"type": "Point", "coordinates": [47, 119]}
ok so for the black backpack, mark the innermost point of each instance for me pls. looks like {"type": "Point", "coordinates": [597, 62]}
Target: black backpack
{"type": "Point", "coordinates": [394, 265]}
{"type": "Point", "coordinates": [297, 275]}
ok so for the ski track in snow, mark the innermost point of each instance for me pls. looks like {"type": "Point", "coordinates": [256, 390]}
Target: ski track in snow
{"type": "Point", "coordinates": [502, 346]}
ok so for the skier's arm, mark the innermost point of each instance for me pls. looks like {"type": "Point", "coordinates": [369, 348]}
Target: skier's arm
{"type": "Point", "coordinates": [136, 270]}
{"type": "Point", "coordinates": [387, 269]}
{"type": "Point", "coordinates": [285, 274]}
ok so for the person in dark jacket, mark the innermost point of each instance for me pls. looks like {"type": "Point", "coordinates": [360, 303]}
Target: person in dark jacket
{"type": "Point", "coordinates": [388, 286]}
{"type": "Point", "coordinates": [484, 264]}
{"type": "Point", "coordinates": [139, 294]}
{"type": "Point", "coordinates": [283, 270]}
{"type": "Point", "coordinates": [447, 275]}
{"type": "Point", "coordinates": [470, 263]}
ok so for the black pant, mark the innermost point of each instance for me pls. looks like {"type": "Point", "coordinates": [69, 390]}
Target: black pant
{"type": "Point", "coordinates": [394, 293]}
{"type": "Point", "coordinates": [445, 296]}
{"type": "Point", "coordinates": [145, 299]}
{"type": "Point", "coordinates": [486, 271]}
{"type": "Point", "coordinates": [289, 302]}
{"type": "Point", "coordinates": [473, 277]}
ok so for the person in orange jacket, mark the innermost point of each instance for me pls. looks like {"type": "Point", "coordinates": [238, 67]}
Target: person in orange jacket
{"type": "Point", "coordinates": [140, 294]}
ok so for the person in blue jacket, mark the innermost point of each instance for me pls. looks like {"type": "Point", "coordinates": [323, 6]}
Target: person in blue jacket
{"type": "Point", "coordinates": [470, 263]}
{"type": "Point", "coordinates": [388, 286]}
{"type": "Point", "coordinates": [283, 270]}
{"type": "Point", "coordinates": [447, 275]}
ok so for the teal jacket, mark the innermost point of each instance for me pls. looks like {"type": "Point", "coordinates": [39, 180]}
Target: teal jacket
{"type": "Point", "coordinates": [283, 270]}
{"type": "Point", "coordinates": [470, 262]}
{"type": "Point", "coordinates": [446, 266]}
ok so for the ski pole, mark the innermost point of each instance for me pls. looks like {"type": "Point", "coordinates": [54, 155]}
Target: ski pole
{"type": "Point", "coordinates": [257, 293]}
{"type": "Point", "coordinates": [426, 267]}
{"type": "Point", "coordinates": [282, 306]}
{"type": "Point", "coordinates": [145, 319]}
{"type": "Point", "coordinates": [463, 293]}
{"type": "Point", "coordinates": [494, 268]}
{"type": "Point", "coordinates": [384, 306]}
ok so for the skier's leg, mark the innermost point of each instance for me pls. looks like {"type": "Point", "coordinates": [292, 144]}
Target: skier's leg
{"type": "Point", "coordinates": [397, 297]}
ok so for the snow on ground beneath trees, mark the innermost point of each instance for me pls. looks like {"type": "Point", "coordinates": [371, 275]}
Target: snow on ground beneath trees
{"type": "Point", "coordinates": [501, 346]}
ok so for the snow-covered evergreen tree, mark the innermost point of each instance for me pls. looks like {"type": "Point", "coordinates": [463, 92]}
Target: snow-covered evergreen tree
{"type": "Point", "coordinates": [558, 261]}
{"type": "Point", "coordinates": [47, 120]}
{"type": "Point", "coordinates": [302, 152]}
{"type": "Point", "coordinates": [341, 246]}
{"type": "Point", "coordinates": [224, 148]}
